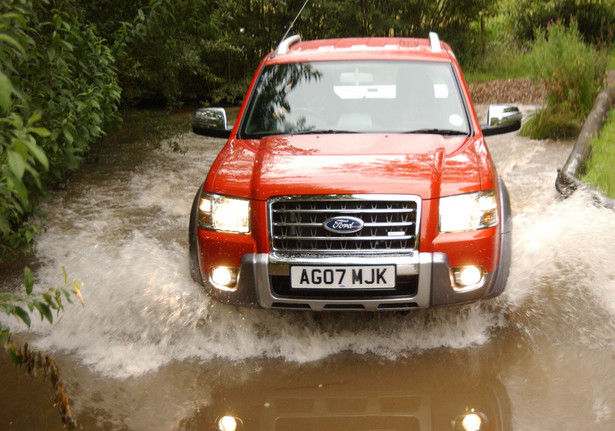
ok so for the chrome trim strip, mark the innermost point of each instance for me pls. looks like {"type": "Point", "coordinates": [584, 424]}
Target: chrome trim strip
{"type": "Point", "coordinates": [293, 253]}
{"type": "Point", "coordinates": [349, 211]}
{"type": "Point", "coordinates": [350, 238]}
{"type": "Point", "coordinates": [360, 197]}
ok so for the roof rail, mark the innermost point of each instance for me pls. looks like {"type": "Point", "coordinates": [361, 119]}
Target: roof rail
{"type": "Point", "coordinates": [434, 40]}
{"type": "Point", "coordinates": [285, 45]}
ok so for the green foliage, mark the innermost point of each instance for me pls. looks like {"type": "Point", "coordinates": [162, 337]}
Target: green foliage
{"type": "Point", "coordinates": [502, 57]}
{"type": "Point", "coordinates": [58, 90]}
{"type": "Point", "coordinates": [552, 123]}
{"type": "Point", "coordinates": [45, 303]}
{"type": "Point", "coordinates": [22, 307]}
{"type": "Point", "coordinates": [257, 26]}
{"type": "Point", "coordinates": [168, 51]}
{"type": "Point", "coordinates": [599, 168]}
{"type": "Point", "coordinates": [188, 50]}
{"type": "Point", "coordinates": [595, 18]}
{"type": "Point", "coordinates": [573, 74]}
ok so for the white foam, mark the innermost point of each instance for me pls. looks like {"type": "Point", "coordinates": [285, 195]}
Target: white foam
{"type": "Point", "coordinates": [128, 245]}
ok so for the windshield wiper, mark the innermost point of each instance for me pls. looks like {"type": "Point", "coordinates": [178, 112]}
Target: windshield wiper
{"type": "Point", "coordinates": [321, 132]}
{"type": "Point", "coordinates": [448, 132]}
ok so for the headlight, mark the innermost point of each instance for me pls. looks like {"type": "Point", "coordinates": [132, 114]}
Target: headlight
{"type": "Point", "coordinates": [222, 213]}
{"type": "Point", "coordinates": [468, 212]}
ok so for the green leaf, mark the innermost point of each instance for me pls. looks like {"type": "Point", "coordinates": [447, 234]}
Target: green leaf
{"type": "Point", "coordinates": [18, 187]}
{"type": "Point", "coordinates": [38, 153]}
{"type": "Point", "coordinates": [8, 39]}
{"type": "Point", "coordinates": [14, 358]}
{"type": "Point", "coordinates": [6, 297]}
{"type": "Point", "coordinates": [48, 299]}
{"type": "Point", "coordinates": [6, 89]}
{"type": "Point", "coordinates": [40, 131]}
{"type": "Point", "coordinates": [44, 310]}
{"type": "Point", "coordinates": [23, 315]}
{"type": "Point", "coordinates": [5, 227]}
{"type": "Point", "coordinates": [17, 164]}
{"type": "Point", "coordinates": [28, 279]}
{"type": "Point", "coordinates": [34, 118]}
{"type": "Point", "coordinates": [4, 335]}
{"type": "Point", "coordinates": [20, 147]}
{"type": "Point", "coordinates": [68, 136]}
{"type": "Point", "coordinates": [35, 175]}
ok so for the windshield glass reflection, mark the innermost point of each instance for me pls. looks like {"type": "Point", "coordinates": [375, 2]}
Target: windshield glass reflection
{"type": "Point", "coordinates": [356, 97]}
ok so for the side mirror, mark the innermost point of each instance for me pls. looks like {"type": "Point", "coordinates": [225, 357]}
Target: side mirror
{"type": "Point", "coordinates": [502, 119]}
{"type": "Point", "coordinates": [210, 122]}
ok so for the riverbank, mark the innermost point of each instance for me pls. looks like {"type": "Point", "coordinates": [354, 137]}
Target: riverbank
{"type": "Point", "coordinates": [522, 91]}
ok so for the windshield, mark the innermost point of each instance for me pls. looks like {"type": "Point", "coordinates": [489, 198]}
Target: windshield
{"type": "Point", "coordinates": [356, 97]}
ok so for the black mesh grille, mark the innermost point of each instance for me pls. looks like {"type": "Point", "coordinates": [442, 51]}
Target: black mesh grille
{"type": "Point", "coordinates": [297, 225]}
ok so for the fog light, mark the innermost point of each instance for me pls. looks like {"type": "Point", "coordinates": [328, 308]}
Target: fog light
{"type": "Point", "coordinates": [227, 423]}
{"type": "Point", "coordinates": [471, 422]}
{"type": "Point", "coordinates": [223, 277]}
{"type": "Point", "coordinates": [468, 276]}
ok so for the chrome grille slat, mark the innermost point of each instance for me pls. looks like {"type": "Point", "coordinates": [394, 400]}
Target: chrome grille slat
{"type": "Point", "coordinates": [347, 238]}
{"type": "Point", "coordinates": [390, 224]}
{"type": "Point", "coordinates": [344, 211]}
{"type": "Point", "coordinates": [400, 224]}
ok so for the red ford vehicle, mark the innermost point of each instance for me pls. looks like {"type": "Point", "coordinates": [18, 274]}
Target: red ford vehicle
{"type": "Point", "coordinates": [356, 177]}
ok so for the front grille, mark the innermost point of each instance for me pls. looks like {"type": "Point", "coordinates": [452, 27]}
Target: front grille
{"type": "Point", "coordinates": [390, 224]}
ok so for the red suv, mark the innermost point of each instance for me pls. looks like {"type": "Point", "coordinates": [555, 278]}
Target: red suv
{"type": "Point", "coordinates": [356, 177]}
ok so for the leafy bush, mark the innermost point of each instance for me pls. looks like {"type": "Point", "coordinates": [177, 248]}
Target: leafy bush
{"type": "Point", "coordinates": [572, 73]}
{"type": "Point", "coordinates": [595, 18]}
{"type": "Point", "coordinates": [188, 50]}
{"type": "Point", "coordinates": [168, 51]}
{"type": "Point", "coordinates": [58, 90]}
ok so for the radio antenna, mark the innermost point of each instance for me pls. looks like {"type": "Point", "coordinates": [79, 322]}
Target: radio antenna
{"type": "Point", "coordinates": [293, 23]}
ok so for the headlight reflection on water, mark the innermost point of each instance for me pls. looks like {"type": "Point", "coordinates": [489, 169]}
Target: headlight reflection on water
{"type": "Point", "coordinates": [227, 423]}
{"type": "Point", "coordinates": [471, 421]}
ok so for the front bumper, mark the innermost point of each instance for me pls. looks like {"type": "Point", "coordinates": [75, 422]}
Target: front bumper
{"type": "Point", "coordinates": [428, 278]}
{"type": "Point", "coordinates": [433, 285]}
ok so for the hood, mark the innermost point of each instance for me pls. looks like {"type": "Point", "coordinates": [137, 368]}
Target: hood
{"type": "Point", "coordinates": [426, 165]}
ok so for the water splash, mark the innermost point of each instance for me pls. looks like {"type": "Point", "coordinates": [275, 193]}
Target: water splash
{"type": "Point", "coordinates": [124, 235]}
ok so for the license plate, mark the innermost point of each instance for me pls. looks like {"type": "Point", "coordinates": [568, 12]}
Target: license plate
{"type": "Point", "coordinates": [343, 277]}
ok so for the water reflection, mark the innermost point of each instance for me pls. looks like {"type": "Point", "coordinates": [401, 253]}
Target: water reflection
{"type": "Point", "coordinates": [349, 393]}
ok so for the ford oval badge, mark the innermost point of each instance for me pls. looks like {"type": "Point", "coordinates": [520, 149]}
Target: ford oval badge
{"type": "Point", "coordinates": [343, 224]}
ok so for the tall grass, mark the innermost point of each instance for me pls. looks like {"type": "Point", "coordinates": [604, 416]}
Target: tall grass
{"type": "Point", "coordinates": [503, 57]}
{"type": "Point", "coordinates": [572, 73]}
{"type": "Point", "coordinates": [599, 168]}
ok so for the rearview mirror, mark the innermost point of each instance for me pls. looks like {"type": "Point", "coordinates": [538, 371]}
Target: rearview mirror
{"type": "Point", "coordinates": [210, 122]}
{"type": "Point", "coordinates": [502, 119]}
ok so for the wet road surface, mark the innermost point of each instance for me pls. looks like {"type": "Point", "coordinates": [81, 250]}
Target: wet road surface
{"type": "Point", "coordinates": [150, 351]}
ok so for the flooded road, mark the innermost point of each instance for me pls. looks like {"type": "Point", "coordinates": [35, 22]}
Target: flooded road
{"type": "Point", "coordinates": [150, 351]}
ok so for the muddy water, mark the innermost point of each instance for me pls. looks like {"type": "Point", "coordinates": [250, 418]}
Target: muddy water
{"type": "Point", "coordinates": [150, 351]}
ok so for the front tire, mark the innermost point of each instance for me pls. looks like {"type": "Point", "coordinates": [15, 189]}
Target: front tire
{"type": "Point", "coordinates": [195, 269]}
